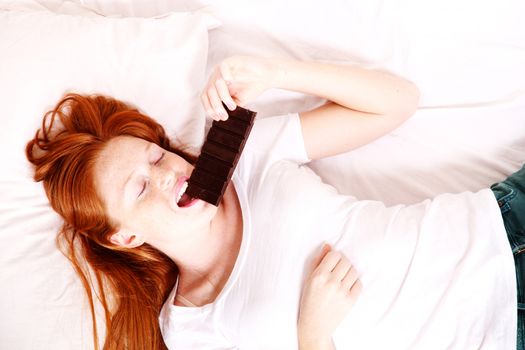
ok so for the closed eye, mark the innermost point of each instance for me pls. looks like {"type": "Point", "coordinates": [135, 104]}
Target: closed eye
{"type": "Point", "coordinates": [144, 185]}
{"type": "Point", "coordinates": [160, 158]}
{"type": "Point", "coordinates": [145, 182]}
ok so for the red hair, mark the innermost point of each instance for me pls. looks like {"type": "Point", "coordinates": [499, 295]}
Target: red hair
{"type": "Point", "coordinates": [136, 280]}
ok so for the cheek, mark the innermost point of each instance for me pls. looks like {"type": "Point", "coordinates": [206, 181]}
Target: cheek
{"type": "Point", "coordinates": [152, 208]}
{"type": "Point", "coordinates": [144, 216]}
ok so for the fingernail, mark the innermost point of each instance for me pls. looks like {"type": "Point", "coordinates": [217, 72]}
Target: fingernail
{"type": "Point", "coordinates": [231, 106]}
{"type": "Point", "coordinates": [223, 115]}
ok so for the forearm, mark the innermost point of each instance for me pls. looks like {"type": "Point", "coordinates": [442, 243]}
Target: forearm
{"type": "Point", "coordinates": [318, 344]}
{"type": "Point", "coordinates": [357, 88]}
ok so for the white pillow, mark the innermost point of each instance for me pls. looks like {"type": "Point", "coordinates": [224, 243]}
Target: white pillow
{"type": "Point", "coordinates": [156, 64]}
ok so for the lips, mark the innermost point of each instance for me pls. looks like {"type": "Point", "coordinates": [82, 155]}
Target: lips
{"type": "Point", "coordinates": [185, 200]}
{"type": "Point", "coordinates": [178, 186]}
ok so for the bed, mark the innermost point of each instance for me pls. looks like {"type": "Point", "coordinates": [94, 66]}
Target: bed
{"type": "Point", "coordinates": [467, 57]}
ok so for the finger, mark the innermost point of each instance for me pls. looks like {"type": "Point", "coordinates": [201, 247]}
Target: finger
{"type": "Point", "coordinates": [341, 269]}
{"type": "Point", "coordinates": [238, 101]}
{"type": "Point", "coordinates": [216, 103]}
{"type": "Point", "coordinates": [207, 106]}
{"type": "Point", "coordinates": [317, 260]}
{"type": "Point", "coordinates": [224, 94]}
{"type": "Point", "coordinates": [329, 262]}
{"type": "Point", "coordinates": [244, 95]}
{"type": "Point", "coordinates": [226, 73]}
{"type": "Point", "coordinates": [350, 279]}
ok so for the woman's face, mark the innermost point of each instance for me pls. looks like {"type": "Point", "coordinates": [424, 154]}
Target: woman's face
{"type": "Point", "coordinates": [140, 183]}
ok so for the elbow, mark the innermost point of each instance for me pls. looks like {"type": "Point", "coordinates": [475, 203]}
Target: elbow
{"type": "Point", "coordinates": [410, 102]}
{"type": "Point", "coordinates": [415, 94]}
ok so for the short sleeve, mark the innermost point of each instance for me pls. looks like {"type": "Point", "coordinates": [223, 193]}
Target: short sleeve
{"type": "Point", "coordinates": [272, 139]}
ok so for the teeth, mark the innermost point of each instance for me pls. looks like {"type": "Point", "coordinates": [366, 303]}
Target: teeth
{"type": "Point", "coordinates": [182, 190]}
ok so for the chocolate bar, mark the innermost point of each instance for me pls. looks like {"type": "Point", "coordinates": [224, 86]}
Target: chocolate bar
{"type": "Point", "coordinates": [219, 156]}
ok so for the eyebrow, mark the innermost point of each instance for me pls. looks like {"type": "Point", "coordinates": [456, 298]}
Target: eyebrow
{"type": "Point", "coordinates": [125, 183]}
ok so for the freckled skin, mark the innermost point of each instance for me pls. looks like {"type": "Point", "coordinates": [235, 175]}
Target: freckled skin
{"type": "Point", "coordinates": [146, 204]}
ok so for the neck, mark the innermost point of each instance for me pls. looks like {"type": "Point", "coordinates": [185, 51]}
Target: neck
{"type": "Point", "coordinates": [206, 260]}
{"type": "Point", "coordinates": [200, 255]}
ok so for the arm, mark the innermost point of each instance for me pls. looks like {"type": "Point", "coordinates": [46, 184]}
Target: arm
{"type": "Point", "coordinates": [317, 345]}
{"type": "Point", "coordinates": [362, 105]}
{"type": "Point", "coordinates": [330, 291]}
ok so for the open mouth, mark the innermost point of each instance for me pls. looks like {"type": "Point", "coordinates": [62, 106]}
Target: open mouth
{"type": "Point", "coordinates": [184, 200]}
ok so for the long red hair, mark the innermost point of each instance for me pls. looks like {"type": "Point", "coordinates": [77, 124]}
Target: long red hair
{"type": "Point", "coordinates": [132, 284]}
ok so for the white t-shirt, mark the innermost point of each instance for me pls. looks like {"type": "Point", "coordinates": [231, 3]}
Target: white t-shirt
{"type": "Point", "coordinates": [435, 275]}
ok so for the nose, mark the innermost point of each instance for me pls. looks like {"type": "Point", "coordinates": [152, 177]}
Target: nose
{"type": "Point", "coordinates": [165, 179]}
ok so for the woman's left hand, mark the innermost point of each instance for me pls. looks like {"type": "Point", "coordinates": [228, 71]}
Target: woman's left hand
{"type": "Point", "coordinates": [236, 81]}
{"type": "Point", "coordinates": [329, 293]}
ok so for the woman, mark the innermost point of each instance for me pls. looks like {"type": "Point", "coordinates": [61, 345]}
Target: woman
{"type": "Point", "coordinates": [231, 276]}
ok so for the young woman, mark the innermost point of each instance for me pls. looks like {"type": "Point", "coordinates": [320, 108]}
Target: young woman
{"type": "Point", "coordinates": [236, 275]}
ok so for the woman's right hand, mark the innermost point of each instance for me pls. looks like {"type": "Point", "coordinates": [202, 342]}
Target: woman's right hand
{"type": "Point", "coordinates": [331, 289]}
{"type": "Point", "coordinates": [236, 81]}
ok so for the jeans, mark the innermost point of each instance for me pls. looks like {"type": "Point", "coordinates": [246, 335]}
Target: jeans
{"type": "Point", "coordinates": [510, 195]}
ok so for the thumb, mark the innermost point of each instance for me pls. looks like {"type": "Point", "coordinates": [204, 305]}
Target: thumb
{"type": "Point", "coordinates": [317, 260]}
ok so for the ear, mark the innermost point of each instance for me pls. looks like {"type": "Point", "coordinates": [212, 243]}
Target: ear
{"type": "Point", "coordinates": [126, 239]}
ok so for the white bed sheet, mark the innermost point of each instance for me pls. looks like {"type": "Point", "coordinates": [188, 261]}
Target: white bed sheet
{"type": "Point", "coordinates": [467, 57]}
